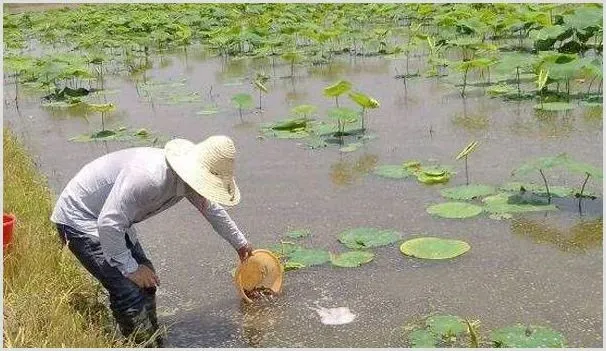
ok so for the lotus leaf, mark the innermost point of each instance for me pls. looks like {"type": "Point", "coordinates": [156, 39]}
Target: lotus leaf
{"type": "Point", "coordinates": [423, 338]}
{"type": "Point", "coordinates": [468, 192]}
{"type": "Point", "coordinates": [337, 89]}
{"type": "Point", "coordinates": [344, 114]}
{"type": "Point", "coordinates": [352, 258]}
{"type": "Point", "coordinates": [208, 111]}
{"type": "Point", "coordinates": [292, 266]}
{"type": "Point", "coordinates": [412, 165]}
{"type": "Point", "coordinates": [363, 100]}
{"type": "Point", "coordinates": [260, 86]}
{"type": "Point", "coordinates": [309, 257]}
{"type": "Point", "coordinates": [434, 176]}
{"type": "Point", "coordinates": [392, 171]}
{"type": "Point", "coordinates": [467, 150]}
{"type": "Point", "coordinates": [296, 234]}
{"type": "Point", "coordinates": [454, 210]}
{"type": "Point", "coordinates": [304, 109]}
{"type": "Point", "coordinates": [554, 106]}
{"type": "Point", "coordinates": [526, 337]}
{"type": "Point", "coordinates": [446, 326]}
{"type": "Point", "coordinates": [284, 248]}
{"type": "Point", "coordinates": [291, 124]}
{"type": "Point", "coordinates": [360, 238]}
{"type": "Point", "coordinates": [500, 204]}
{"type": "Point", "coordinates": [433, 248]}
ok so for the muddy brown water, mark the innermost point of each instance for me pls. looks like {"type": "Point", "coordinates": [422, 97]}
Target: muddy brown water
{"type": "Point", "coordinates": [540, 269]}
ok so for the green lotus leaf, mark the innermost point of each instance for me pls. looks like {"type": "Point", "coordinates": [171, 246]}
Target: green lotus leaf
{"type": "Point", "coordinates": [292, 266]}
{"type": "Point", "coordinates": [337, 89]}
{"type": "Point", "coordinates": [467, 150]}
{"type": "Point", "coordinates": [343, 114]}
{"type": "Point", "coordinates": [284, 248]}
{"type": "Point", "coordinates": [101, 107]}
{"type": "Point", "coordinates": [352, 259]}
{"type": "Point", "coordinates": [300, 233]}
{"type": "Point", "coordinates": [428, 179]}
{"type": "Point", "coordinates": [423, 338]}
{"type": "Point", "coordinates": [468, 192]}
{"type": "Point", "coordinates": [392, 171]}
{"type": "Point", "coordinates": [260, 86]}
{"type": "Point", "coordinates": [454, 210]}
{"type": "Point", "coordinates": [361, 238]}
{"type": "Point", "coordinates": [363, 100]}
{"type": "Point", "coordinates": [309, 257]}
{"type": "Point", "coordinates": [433, 248]}
{"type": "Point", "coordinates": [520, 336]}
{"type": "Point", "coordinates": [446, 326]}
{"type": "Point", "coordinates": [501, 203]}
{"type": "Point", "coordinates": [554, 106]}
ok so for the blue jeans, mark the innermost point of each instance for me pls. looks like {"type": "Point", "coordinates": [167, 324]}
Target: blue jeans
{"type": "Point", "coordinates": [132, 307]}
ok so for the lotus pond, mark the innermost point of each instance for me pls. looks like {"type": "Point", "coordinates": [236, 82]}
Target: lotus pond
{"type": "Point", "coordinates": [430, 174]}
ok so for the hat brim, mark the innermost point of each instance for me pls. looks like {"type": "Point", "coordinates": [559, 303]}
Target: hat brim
{"type": "Point", "coordinates": [183, 161]}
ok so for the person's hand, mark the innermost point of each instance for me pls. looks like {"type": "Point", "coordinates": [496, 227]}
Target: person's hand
{"type": "Point", "coordinates": [245, 252]}
{"type": "Point", "coordinates": [144, 277]}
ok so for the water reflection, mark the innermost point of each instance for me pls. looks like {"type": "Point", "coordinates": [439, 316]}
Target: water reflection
{"type": "Point", "coordinates": [346, 172]}
{"type": "Point", "coordinates": [593, 117]}
{"type": "Point", "coordinates": [585, 234]}
{"type": "Point", "coordinates": [545, 124]}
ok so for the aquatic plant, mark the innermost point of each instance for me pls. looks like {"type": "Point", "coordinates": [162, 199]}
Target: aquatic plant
{"type": "Point", "coordinates": [434, 248]}
{"type": "Point", "coordinates": [526, 336]}
{"type": "Point", "coordinates": [455, 210]}
{"type": "Point", "coordinates": [362, 238]}
{"type": "Point", "coordinates": [344, 116]}
{"type": "Point", "coordinates": [259, 83]}
{"type": "Point", "coordinates": [468, 192]}
{"type": "Point", "coordinates": [364, 102]}
{"type": "Point", "coordinates": [541, 81]}
{"type": "Point", "coordinates": [471, 147]}
{"type": "Point", "coordinates": [242, 101]}
{"type": "Point", "coordinates": [337, 89]}
{"type": "Point", "coordinates": [351, 259]}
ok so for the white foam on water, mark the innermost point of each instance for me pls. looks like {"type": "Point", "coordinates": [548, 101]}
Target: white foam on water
{"type": "Point", "coordinates": [335, 316]}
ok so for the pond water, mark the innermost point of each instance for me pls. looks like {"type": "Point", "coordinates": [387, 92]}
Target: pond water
{"type": "Point", "coordinates": [540, 268]}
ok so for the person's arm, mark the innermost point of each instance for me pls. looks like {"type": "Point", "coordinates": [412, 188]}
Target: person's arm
{"type": "Point", "coordinates": [131, 192]}
{"type": "Point", "coordinates": [221, 222]}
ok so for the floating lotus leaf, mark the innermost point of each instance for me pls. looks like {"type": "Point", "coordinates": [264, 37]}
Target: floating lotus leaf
{"type": "Point", "coordinates": [454, 210]}
{"type": "Point", "coordinates": [352, 259]}
{"type": "Point", "coordinates": [337, 89]}
{"type": "Point", "coordinates": [467, 150]}
{"type": "Point", "coordinates": [284, 248]}
{"type": "Point", "coordinates": [392, 171]}
{"type": "Point", "coordinates": [101, 107]}
{"type": "Point", "coordinates": [423, 338]}
{"type": "Point", "coordinates": [520, 336]}
{"type": "Point", "coordinates": [428, 179]}
{"type": "Point", "coordinates": [433, 248]}
{"type": "Point", "coordinates": [360, 238]}
{"type": "Point", "coordinates": [293, 266]}
{"type": "Point", "coordinates": [554, 106]}
{"type": "Point", "coordinates": [446, 326]}
{"type": "Point", "coordinates": [296, 234]}
{"type": "Point", "coordinates": [501, 203]}
{"type": "Point", "coordinates": [309, 257]}
{"type": "Point", "coordinates": [468, 192]}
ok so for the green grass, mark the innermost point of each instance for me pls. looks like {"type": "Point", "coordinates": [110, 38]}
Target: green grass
{"type": "Point", "coordinates": [49, 299]}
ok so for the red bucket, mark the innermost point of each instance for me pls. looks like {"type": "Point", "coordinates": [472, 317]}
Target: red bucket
{"type": "Point", "coordinates": [8, 221]}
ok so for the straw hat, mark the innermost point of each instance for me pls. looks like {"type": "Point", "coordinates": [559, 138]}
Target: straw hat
{"type": "Point", "coordinates": [207, 167]}
{"type": "Point", "coordinates": [261, 270]}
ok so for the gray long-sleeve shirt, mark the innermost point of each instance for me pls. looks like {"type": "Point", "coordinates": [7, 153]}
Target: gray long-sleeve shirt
{"type": "Point", "coordinates": [119, 189]}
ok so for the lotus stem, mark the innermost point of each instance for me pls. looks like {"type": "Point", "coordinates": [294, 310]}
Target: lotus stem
{"type": "Point", "coordinates": [363, 110]}
{"type": "Point", "coordinates": [518, 80]}
{"type": "Point", "coordinates": [240, 110]}
{"type": "Point", "coordinates": [590, 84]}
{"type": "Point", "coordinates": [583, 187]}
{"type": "Point", "coordinates": [464, 81]}
{"type": "Point", "coordinates": [546, 186]}
{"type": "Point", "coordinates": [337, 101]}
{"type": "Point", "coordinates": [102, 121]}
{"type": "Point", "coordinates": [466, 172]}
{"type": "Point", "coordinates": [259, 99]}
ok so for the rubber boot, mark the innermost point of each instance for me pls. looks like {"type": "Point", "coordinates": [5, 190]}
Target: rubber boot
{"type": "Point", "coordinates": [137, 326]}
{"type": "Point", "coordinates": [150, 305]}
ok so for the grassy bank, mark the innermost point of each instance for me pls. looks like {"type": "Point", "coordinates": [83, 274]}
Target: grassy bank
{"type": "Point", "coordinates": [49, 300]}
